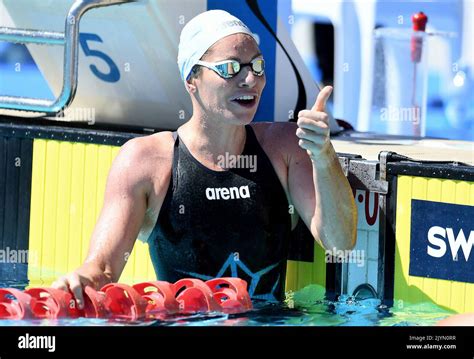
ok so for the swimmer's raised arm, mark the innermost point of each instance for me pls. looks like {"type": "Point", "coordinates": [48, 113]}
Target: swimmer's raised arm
{"type": "Point", "coordinates": [120, 220]}
{"type": "Point", "coordinates": [324, 200]}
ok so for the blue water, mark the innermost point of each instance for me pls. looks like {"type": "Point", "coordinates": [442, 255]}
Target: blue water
{"type": "Point", "coordinates": [307, 307]}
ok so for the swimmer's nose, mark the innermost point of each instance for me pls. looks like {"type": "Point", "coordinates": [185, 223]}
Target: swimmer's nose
{"type": "Point", "coordinates": [247, 79]}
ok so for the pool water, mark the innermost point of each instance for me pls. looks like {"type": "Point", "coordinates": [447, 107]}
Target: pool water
{"type": "Point", "coordinates": [307, 307]}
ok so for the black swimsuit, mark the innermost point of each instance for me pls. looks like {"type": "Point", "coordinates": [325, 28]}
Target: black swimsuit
{"type": "Point", "coordinates": [224, 223]}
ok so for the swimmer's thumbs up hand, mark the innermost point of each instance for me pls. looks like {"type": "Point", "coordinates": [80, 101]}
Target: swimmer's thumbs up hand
{"type": "Point", "coordinates": [323, 96]}
{"type": "Point", "coordinates": [313, 126]}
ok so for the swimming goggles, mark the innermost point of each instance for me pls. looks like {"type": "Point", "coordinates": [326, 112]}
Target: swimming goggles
{"type": "Point", "coordinates": [230, 68]}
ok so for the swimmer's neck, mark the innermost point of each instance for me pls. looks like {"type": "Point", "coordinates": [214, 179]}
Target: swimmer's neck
{"type": "Point", "coordinates": [210, 139]}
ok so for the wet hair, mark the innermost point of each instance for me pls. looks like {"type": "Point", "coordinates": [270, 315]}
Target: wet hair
{"type": "Point", "coordinates": [195, 72]}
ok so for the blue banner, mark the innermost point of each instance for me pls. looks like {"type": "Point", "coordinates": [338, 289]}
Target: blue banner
{"type": "Point", "coordinates": [442, 241]}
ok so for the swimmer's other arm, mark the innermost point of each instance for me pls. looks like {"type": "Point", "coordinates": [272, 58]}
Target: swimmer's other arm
{"type": "Point", "coordinates": [323, 200]}
{"type": "Point", "coordinates": [114, 235]}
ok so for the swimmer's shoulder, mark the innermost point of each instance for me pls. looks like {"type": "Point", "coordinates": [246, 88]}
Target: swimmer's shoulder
{"type": "Point", "coordinates": [148, 158]}
{"type": "Point", "coordinates": [156, 148]}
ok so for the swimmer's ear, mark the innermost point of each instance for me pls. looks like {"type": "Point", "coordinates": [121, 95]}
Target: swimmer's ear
{"type": "Point", "coordinates": [190, 82]}
{"type": "Point", "coordinates": [190, 86]}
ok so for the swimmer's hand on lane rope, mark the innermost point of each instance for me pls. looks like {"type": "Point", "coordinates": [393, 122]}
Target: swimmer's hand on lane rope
{"type": "Point", "coordinates": [313, 126]}
{"type": "Point", "coordinates": [75, 282]}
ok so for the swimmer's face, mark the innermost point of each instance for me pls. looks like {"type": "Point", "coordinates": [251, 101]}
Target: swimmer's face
{"type": "Point", "coordinates": [218, 95]}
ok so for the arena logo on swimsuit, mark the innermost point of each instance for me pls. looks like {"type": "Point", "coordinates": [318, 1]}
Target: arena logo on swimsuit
{"type": "Point", "coordinates": [227, 193]}
{"type": "Point", "coordinates": [442, 241]}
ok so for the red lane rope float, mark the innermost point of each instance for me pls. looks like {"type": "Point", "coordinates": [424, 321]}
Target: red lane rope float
{"type": "Point", "coordinates": [193, 295]}
{"type": "Point", "coordinates": [94, 304]}
{"type": "Point", "coordinates": [230, 293]}
{"type": "Point", "coordinates": [121, 301]}
{"type": "Point", "coordinates": [52, 303]}
{"type": "Point", "coordinates": [159, 295]}
{"type": "Point", "coordinates": [15, 304]}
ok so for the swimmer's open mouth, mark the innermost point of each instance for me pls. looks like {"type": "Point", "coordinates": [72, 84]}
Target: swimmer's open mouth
{"type": "Point", "coordinates": [246, 100]}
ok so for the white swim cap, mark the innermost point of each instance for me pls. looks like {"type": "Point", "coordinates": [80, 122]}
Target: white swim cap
{"type": "Point", "coordinates": [203, 31]}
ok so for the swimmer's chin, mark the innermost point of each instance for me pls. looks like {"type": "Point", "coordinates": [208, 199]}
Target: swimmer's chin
{"type": "Point", "coordinates": [243, 117]}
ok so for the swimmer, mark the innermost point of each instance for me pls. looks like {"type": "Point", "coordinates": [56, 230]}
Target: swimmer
{"type": "Point", "coordinates": [203, 215]}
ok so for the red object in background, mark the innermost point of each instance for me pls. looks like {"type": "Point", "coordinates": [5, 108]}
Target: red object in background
{"type": "Point", "coordinates": [416, 45]}
{"type": "Point", "coordinates": [121, 301]}
{"type": "Point", "coordinates": [419, 24]}
{"type": "Point", "coordinates": [419, 21]}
